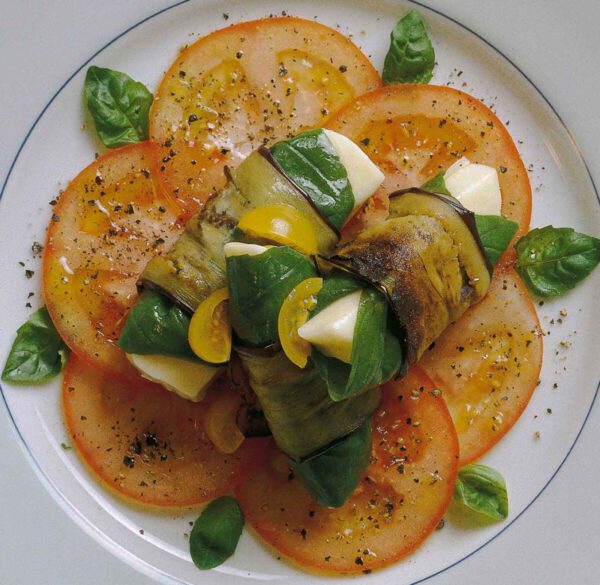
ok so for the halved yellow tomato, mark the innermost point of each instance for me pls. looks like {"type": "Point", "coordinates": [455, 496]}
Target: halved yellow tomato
{"type": "Point", "coordinates": [220, 422]}
{"type": "Point", "coordinates": [292, 315]}
{"type": "Point", "coordinates": [281, 224]}
{"type": "Point", "coordinates": [209, 334]}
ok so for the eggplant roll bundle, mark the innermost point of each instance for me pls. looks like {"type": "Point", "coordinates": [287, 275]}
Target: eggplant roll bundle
{"type": "Point", "coordinates": [427, 258]}
{"type": "Point", "coordinates": [303, 419]}
{"type": "Point", "coordinates": [195, 265]}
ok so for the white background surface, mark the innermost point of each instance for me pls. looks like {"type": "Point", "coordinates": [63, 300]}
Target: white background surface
{"type": "Point", "coordinates": [556, 43]}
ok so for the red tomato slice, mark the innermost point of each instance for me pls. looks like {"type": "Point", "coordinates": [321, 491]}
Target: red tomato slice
{"type": "Point", "coordinates": [106, 226]}
{"type": "Point", "coordinates": [400, 500]}
{"type": "Point", "coordinates": [488, 364]}
{"type": "Point", "coordinates": [415, 131]}
{"type": "Point", "coordinates": [246, 85]}
{"type": "Point", "coordinates": [146, 443]}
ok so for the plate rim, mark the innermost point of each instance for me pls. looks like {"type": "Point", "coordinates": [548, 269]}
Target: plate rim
{"type": "Point", "coordinates": [84, 523]}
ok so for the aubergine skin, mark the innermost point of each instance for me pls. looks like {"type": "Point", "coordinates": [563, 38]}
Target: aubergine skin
{"type": "Point", "coordinates": [302, 417]}
{"type": "Point", "coordinates": [416, 262]}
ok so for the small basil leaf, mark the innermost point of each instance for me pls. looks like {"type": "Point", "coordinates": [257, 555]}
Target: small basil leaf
{"type": "Point", "coordinates": [375, 359]}
{"type": "Point", "coordinates": [483, 490]}
{"type": "Point", "coordinates": [368, 345]}
{"type": "Point", "coordinates": [37, 354]}
{"type": "Point", "coordinates": [333, 474]}
{"type": "Point", "coordinates": [553, 260]}
{"type": "Point", "coordinates": [437, 184]}
{"type": "Point", "coordinates": [338, 285]}
{"type": "Point", "coordinates": [216, 533]}
{"type": "Point", "coordinates": [495, 233]}
{"type": "Point", "coordinates": [393, 356]}
{"type": "Point", "coordinates": [119, 106]}
{"type": "Point", "coordinates": [311, 161]}
{"type": "Point", "coordinates": [258, 286]}
{"type": "Point", "coordinates": [410, 58]}
{"type": "Point", "coordinates": [156, 326]}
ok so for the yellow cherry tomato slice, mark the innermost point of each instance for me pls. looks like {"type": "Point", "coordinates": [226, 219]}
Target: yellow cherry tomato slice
{"type": "Point", "coordinates": [292, 315]}
{"type": "Point", "coordinates": [220, 422]}
{"type": "Point", "coordinates": [209, 334]}
{"type": "Point", "coordinates": [281, 224]}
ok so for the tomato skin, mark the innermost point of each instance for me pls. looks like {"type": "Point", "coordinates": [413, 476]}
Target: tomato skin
{"type": "Point", "coordinates": [106, 225]}
{"type": "Point", "coordinates": [146, 444]}
{"type": "Point", "coordinates": [400, 500]}
{"type": "Point", "coordinates": [413, 132]}
{"type": "Point", "coordinates": [243, 86]}
{"type": "Point", "coordinates": [488, 364]}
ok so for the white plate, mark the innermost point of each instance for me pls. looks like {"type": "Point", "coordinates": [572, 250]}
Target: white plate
{"type": "Point", "coordinates": [566, 197]}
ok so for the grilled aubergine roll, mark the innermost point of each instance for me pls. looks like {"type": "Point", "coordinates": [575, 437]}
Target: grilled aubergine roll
{"type": "Point", "coordinates": [428, 260]}
{"type": "Point", "coordinates": [302, 416]}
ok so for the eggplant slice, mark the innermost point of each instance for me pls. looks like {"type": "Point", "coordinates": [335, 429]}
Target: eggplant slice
{"type": "Point", "coordinates": [302, 417]}
{"type": "Point", "coordinates": [426, 259]}
{"type": "Point", "coordinates": [195, 265]}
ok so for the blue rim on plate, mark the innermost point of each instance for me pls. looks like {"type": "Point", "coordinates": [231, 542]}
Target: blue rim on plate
{"type": "Point", "coordinates": [75, 513]}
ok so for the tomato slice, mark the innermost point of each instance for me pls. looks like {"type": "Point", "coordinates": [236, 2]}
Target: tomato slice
{"type": "Point", "coordinates": [488, 364]}
{"type": "Point", "coordinates": [247, 85]}
{"type": "Point", "coordinates": [145, 443]}
{"type": "Point", "coordinates": [415, 131]}
{"type": "Point", "coordinates": [209, 334]}
{"type": "Point", "coordinates": [107, 224]}
{"type": "Point", "coordinates": [398, 503]}
{"type": "Point", "coordinates": [281, 224]}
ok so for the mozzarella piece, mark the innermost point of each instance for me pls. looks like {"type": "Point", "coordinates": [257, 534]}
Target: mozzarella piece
{"type": "Point", "coordinates": [184, 377]}
{"type": "Point", "coordinates": [364, 176]}
{"type": "Point", "coordinates": [241, 249]}
{"type": "Point", "coordinates": [459, 164]}
{"type": "Point", "coordinates": [475, 186]}
{"type": "Point", "coordinates": [332, 330]}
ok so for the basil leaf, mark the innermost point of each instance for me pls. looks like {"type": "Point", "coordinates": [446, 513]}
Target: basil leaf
{"type": "Point", "coordinates": [119, 106]}
{"type": "Point", "coordinates": [258, 286]}
{"type": "Point", "coordinates": [37, 354]}
{"type": "Point", "coordinates": [483, 490]}
{"type": "Point", "coordinates": [378, 355]}
{"type": "Point", "coordinates": [216, 533]}
{"type": "Point", "coordinates": [311, 162]}
{"type": "Point", "coordinates": [553, 260]}
{"type": "Point", "coordinates": [393, 356]}
{"type": "Point", "coordinates": [437, 184]}
{"type": "Point", "coordinates": [156, 326]}
{"type": "Point", "coordinates": [495, 233]}
{"type": "Point", "coordinates": [338, 285]}
{"type": "Point", "coordinates": [410, 58]}
{"type": "Point", "coordinates": [332, 475]}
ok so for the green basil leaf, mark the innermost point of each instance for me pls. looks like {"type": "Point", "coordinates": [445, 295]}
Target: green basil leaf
{"type": "Point", "coordinates": [437, 184]}
{"type": "Point", "coordinates": [311, 161]}
{"type": "Point", "coordinates": [483, 490]}
{"type": "Point", "coordinates": [156, 326]}
{"type": "Point", "coordinates": [553, 260]}
{"type": "Point", "coordinates": [37, 354]}
{"type": "Point", "coordinates": [216, 533]}
{"type": "Point", "coordinates": [393, 356]}
{"type": "Point", "coordinates": [378, 355]}
{"type": "Point", "coordinates": [333, 474]}
{"type": "Point", "coordinates": [410, 58]}
{"type": "Point", "coordinates": [495, 233]}
{"type": "Point", "coordinates": [258, 286]}
{"type": "Point", "coordinates": [119, 106]}
{"type": "Point", "coordinates": [336, 286]}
